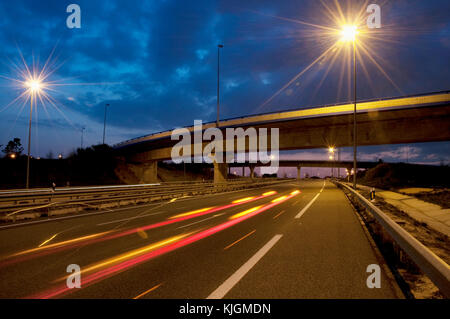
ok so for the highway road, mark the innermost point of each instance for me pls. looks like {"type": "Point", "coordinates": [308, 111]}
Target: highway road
{"type": "Point", "coordinates": [292, 240]}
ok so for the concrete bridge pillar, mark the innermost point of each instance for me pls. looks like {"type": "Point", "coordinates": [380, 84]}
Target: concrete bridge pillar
{"type": "Point", "coordinates": [220, 172]}
{"type": "Point", "coordinates": [298, 172]}
{"type": "Point", "coordinates": [252, 171]}
{"type": "Point", "coordinates": [150, 172]}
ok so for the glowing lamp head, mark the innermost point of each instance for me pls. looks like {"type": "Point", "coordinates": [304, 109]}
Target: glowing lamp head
{"type": "Point", "coordinates": [331, 149]}
{"type": "Point", "coordinates": [348, 33]}
{"type": "Point", "coordinates": [34, 85]}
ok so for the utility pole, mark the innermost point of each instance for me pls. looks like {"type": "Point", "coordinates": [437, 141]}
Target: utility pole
{"type": "Point", "coordinates": [354, 115]}
{"type": "Point", "coordinates": [219, 46]}
{"type": "Point", "coordinates": [29, 141]}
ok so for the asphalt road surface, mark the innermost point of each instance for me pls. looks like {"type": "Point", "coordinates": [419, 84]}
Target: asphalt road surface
{"type": "Point", "coordinates": [292, 240]}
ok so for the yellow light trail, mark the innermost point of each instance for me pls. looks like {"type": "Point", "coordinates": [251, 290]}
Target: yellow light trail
{"type": "Point", "coordinates": [133, 253]}
{"type": "Point", "coordinates": [191, 212]}
{"type": "Point", "coordinates": [269, 193]}
{"type": "Point", "coordinates": [59, 244]}
{"type": "Point", "coordinates": [245, 212]}
{"type": "Point", "coordinates": [279, 199]}
{"type": "Point", "coordinates": [242, 200]}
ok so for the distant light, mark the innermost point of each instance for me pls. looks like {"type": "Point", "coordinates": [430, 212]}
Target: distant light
{"type": "Point", "coordinates": [12, 155]}
{"type": "Point", "coordinates": [60, 156]}
{"type": "Point", "coordinates": [331, 157]}
{"type": "Point", "coordinates": [348, 33]}
{"type": "Point", "coordinates": [331, 149]}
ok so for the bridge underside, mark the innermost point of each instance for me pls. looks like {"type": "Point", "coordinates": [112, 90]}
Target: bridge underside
{"type": "Point", "coordinates": [429, 124]}
{"type": "Point", "coordinates": [380, 127]}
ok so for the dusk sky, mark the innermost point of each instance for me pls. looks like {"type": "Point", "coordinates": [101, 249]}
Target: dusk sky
{"type": "Point", "coordinates": [155, 63]}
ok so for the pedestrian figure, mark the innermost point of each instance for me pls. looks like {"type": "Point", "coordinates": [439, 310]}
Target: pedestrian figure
{"type": "Point", "coordinates": [372, 194]}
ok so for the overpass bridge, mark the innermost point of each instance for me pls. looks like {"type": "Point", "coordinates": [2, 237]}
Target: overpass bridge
{"type": "Point", "coordinates": [410, 119]}
{"type": "Point", "coordinates": [307, 163]}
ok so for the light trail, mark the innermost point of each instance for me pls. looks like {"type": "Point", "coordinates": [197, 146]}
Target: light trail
{"type": "Point", "coordinates": [96, 238]}
{"type": "Point", "coordinates": [125, 265]}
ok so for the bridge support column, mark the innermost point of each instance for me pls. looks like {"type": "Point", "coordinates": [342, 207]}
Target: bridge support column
{"type": "Point", "coordinates": [298, 172]}
{"type": "Point", "coordinates": [252, 171]}
{"type": "Point", "coordinates": [150, 172]}
{"type": "Point", "coordinates": [220, 172]}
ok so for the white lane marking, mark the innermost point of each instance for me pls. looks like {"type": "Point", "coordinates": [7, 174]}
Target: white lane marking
{"type": "Point", "coordinates": [130, 218]}
{"type": "Point", "coordinates": [307, 206]}
{"type": "Point", "coordinates": [224, 288]}
{"type": "Point", "coordinates": [322, 187]}
{"type": "Point", "coordinates": [217, 215]}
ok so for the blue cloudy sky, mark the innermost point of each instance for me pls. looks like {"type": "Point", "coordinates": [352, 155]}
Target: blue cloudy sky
{"type": "Point", "coordinates": [154, 62]}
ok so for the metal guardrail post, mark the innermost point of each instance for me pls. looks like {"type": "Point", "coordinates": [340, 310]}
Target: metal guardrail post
{"type": "Point", "coordinates": [433, 266]}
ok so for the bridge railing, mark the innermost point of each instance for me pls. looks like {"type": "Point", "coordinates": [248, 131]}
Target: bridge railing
{"type": "Point", "coordinates": [433, 266]}
{"type": "Point", "coordinates": [45, 202]}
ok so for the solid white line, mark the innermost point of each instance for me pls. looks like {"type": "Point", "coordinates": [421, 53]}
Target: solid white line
{"type": "Point", "coordinates": [307, 206]}
{"type": "Point", "coordinates": [322, 187]}
{"type": "Point", "coordinates": [200, 221]}
{"type": "Point", "coordinates": [224, 288]}
{"type": "Point", "coordinates": [130, 218]}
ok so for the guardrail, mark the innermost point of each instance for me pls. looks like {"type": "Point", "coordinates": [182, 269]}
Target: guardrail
{"type": "Point", "coordinates": [433, 266]}
{"type": "Point", "coordinates": [13, 204]}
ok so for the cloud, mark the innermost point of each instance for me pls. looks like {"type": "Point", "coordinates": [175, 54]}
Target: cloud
{"type": "Point", "coordinates": [155, 62]}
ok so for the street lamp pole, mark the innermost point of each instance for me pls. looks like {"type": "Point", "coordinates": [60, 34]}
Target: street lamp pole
{"type": "Point", "coordinates": [29, 141]}
{"type": "Point", "coordinates": [354, 114]}
{"type": "Point", "coordinates": [219, 46]}
{"type": "Point", "coordinates": [104, 124]}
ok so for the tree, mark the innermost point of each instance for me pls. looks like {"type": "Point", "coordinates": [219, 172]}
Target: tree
{"type": "Point", "coordinates": [49, 155]}
{"type": "Point", "coordinates": [13, 146]}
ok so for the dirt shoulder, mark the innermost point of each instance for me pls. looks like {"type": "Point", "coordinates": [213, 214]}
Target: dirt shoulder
{"type": "Point", "coordinates": [420, 285]}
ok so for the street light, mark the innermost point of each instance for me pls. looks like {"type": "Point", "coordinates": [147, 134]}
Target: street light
{"type": "Point", "coordinates": [349, 33]}
{"type": "Point", "coordinates": [104, 124]}
{"type": "Point", "coordinates": [219, 46]}
{"type": "Point", "coordinates": [331, 150]}
{"type": "Point", "coordinates": [34, 87]}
